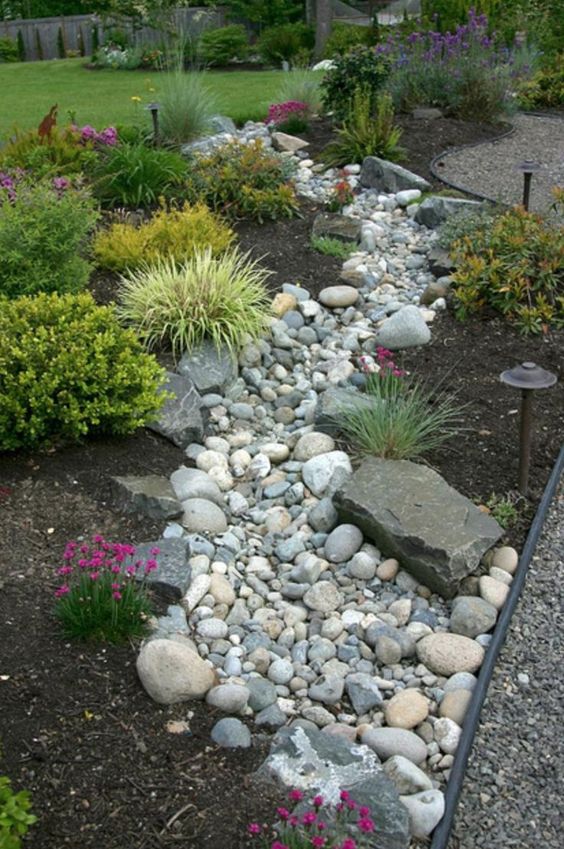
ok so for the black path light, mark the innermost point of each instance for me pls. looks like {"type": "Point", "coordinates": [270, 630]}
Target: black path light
{"type": "Point", "coordinates": [528, 377]}
{"type": "Point", "coordinates": [154, 110]}
{"type": "Point", "coordinates": [528, 167]}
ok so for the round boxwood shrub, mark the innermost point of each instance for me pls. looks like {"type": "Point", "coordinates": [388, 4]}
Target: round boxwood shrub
{"type": "Point", "coordinates": [68, 370]}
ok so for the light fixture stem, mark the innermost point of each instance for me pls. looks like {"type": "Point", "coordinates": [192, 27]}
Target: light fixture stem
{"type": "Point", "coordinates": [525, 440]}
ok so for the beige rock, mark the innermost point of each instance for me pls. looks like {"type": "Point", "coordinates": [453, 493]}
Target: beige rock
{"type": "Point", "coordinates": [221, 590]}
{"type": "Point", "coordinates": [493, 591]}
{"type": "Point", "coordinates": [273, 628]}
{"type": "Point", "coordinates": [170, 672]}
{"type": "Point", "coordinates": [455, 704]}
{"type": "Point", "coordinates": [338, 296]}
{"type": "Point", "coordinates": [261, 659]}
{"type": "Point", "coordinates": [283, 303]}
{"type": "Point", "coordinates": [276, 452]}
{"type": "Point", "coordinates": [388, 569]}
{"type": "Point", "coordinates": [446, 654]}
{"type": "Point", "coordinates": [501, 575]}
{"type": "Point", "coordinates": [505, 558]}
{"type": "Point", "coordinates": [406, 709]}
{"type": "Point", "coordinates": [312, 444]}
{"type": "Point", "coordinates": [401, 609]}
{"type": "Point", "coordinates": [339, 729]}
{"type": "Point", "coordinates": [286, 143]}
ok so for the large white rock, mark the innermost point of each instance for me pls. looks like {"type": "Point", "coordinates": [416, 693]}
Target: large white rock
{"type": "Point", "coordinates": [325, 473]}
{"type": "Point", "coordinates": [388, 742]}
{"type": "Point", "coordinates": [324, 597]}
{"type": "Point", "coordinates": [407, 709]}
{"type": "Point", "coordinates": [404, 329]}
{"type": "Point", "coordinates": [407, 777]}
{"type": "Point", "coordinates": [201, 516]}
{"type": "Point", "coordinates": [171, 672]}
{"type": "Point", "coordinates": [425, 811]}
{"type": "Point", "coordinates": [311, 444]}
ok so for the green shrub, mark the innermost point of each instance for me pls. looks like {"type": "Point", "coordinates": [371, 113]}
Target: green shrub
{"type": "Point", "coordinates": [516, 267]}
{"type": "Point", "coordinates": [286, 43]}
{"type": "Point", "coordinates": [221, 298]}
{"type": "Point", "coordinates": [69, 370]}
{"type": "Point", "coordinates": [8, 50]}
{"type": "Point", "coordinates": [503, 510]}
{"type": "Point", "coordinates": [360, 68]}
{"type": "Point", "coordinates": [403, 420]}
{"type": "Point", "coordinates": [15, 816]}
{"type": "Point", "coordinates": [59, 154]}
{"type": "Point", "coordinates": [331, 247]}
{"type": "Point", "coordinates": [346, 36]}
{"type": "Point", "coordinates": [43, 231]}
{"type": "Point", "coordinates": [546, 88]}
{"type": "Point", "coordinates": [186, 107]}
{"type": "Point", "coordinates": [219, 46]}
{"type": "Point", "coordinates": [174, 234]}
{"type": "Point", "coordinates": [267, 13]}
{"type": "Point", "coordinates": [103, 597]}
{"type": "Point", "coordinates": [301, 86]}
{"type": "Point", "coordinates": [134, 175]}
{"type": "Point", "coordinates": [364, 134]}
{"type": "Point", "coordinates": [243, 181]}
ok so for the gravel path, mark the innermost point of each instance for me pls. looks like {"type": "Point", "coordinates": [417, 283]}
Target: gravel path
{"type": "Point", "coordinates": [511, 795]}
{"type": "Point", "coordinates": [490, 168]}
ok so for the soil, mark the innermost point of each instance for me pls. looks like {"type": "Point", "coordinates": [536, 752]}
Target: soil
{"type": "Point", "coordinates": [77, 729]}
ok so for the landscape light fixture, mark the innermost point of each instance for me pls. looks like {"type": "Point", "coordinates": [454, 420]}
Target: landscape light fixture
{"type": "Point", "coordinates": [528, 377]}
{"type": "Point", "coordinates": [528, 167]}
{"type": "Point", "coordinates": [154, 110]}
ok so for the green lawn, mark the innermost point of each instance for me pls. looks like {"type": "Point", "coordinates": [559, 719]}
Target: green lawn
{"type": "Point", "coordinates": [101, 98]}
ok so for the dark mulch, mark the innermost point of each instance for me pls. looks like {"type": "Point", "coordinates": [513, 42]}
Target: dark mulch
{"type": "Point", "coordinates": [77, 730]}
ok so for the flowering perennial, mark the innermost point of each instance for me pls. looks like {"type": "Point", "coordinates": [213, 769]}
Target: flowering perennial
{"type": "Point", "coordinates": [281, 113]}
{"type": "Point", "coordinates": [317, 825]}
{"type": "Point", "coordinates": [103, 594]}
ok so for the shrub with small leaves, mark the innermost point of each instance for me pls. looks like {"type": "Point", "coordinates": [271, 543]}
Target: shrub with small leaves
{"type": "Point", "coordinates": [174, 234]}
{"type": "Point", "coordinates": [515, 267]}
{"type": "Point", "coordinates": [15, 816]}
{"type": "Point", "coordinates": [360, 68]}
{"type": "Point", "coordinates": [103, 595]}
{"type": "Point", "coordinates": [243, 181]}
{"type": "Point", "coordinates": [69, 370]}
{"type": "Point", "coordinates": [546, 88]}
{"type": "Point", "coordinates": [43, 232]}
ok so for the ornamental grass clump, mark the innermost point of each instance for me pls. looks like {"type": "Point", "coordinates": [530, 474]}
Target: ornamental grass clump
{"type": "Point", "coordinates": [103, 595]}
{"type": "Point", "coordinates": [303, 86]}
{"type": "Point", "coordinates": [403, 419]}
{"type": "Point", "coordinates": [466, 72]}
{"type": "Point", "coordinates": [318, 824]}
{"type": "Point", "coordinates": [179, 306]}
{"type": "Point", "coordinates": [187, 106]}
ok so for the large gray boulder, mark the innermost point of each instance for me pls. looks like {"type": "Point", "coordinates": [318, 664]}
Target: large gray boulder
{"type": "Point", "coordinates": [315, 762]}
{"type": "Point", "coordinates": [404, 329]}
{"type": "Point", "coordinates": [386, 176]}
{"type": "Point", "coordinates": [151, 495]}
{"type": "Point", "coordinates": [209, 369]}
{"type": "Point", "coordinates": [412, 514]}
{"type": "Point", "coordinates": [435, 210]}
{"type": "Point", "coordinates": [331, 404]}
{"type": "Point", "coordinates": [339, 227]}
{"type": "Point", "coordinates": [180, 419]}
{"type": "Point", "coordinates": [172, 576]}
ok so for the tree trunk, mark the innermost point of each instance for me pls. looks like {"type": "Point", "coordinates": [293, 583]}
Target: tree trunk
{"type": "Point", "coordinates": [323, 18]}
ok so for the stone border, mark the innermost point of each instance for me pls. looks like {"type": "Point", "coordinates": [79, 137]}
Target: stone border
{"type": "Point", "coordinates": [453, 788]}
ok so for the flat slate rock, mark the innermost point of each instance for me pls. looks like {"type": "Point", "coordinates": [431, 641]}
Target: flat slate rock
{"type": "Point", "coordinates": [180, 419]}
{"type": "Point", "coordinates": [386, 176]}
{"type": "Point", "coordinates": [334, 226]}
{"type": "Point", "coordinates": [173, 574]}
{"type": "Point", "coordinates": [315, 762]}
{"type": "Point", "coordinates": [435, 210]}
{"type": "Point", "coordinates": [151, 495]}
{"type": "Point", "coordinates": [209, 369]}
{"type": "Point", "coordinates": [412, 514]}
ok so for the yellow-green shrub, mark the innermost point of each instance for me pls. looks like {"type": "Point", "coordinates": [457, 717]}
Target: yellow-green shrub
{"type": "Point", "coordinates": [174, 234]}
{"type": "Point", "coordinates": [68, 369]}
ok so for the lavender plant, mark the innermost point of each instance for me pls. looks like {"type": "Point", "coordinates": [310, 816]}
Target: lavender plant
{"type": "Point", "coordinates": [466, 72]}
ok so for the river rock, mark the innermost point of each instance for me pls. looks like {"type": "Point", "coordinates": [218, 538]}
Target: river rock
{"type": "Point", "coordinates": [455, 704]}
{"type": "Point", "coordinates": [363, 692]}
{"type": "Point", "coordinates": [407, 777]}
{"type": "Point", "coordinates": [202, 516]}
{"type": "Point", "coordinates": [323, 597]}
{"type": "Point", "coordinates": [342, 543]}
{"type": "Point", "coordinates": [388, 742]}
{"type": "Point", "coordinates": [494, 592]}
{"type": "Point", "coordinates": [171, 672]}
{"type": "Point", "coordinates": [425, 811]}
{"type": "Point", "coordinates": [505, 558]}
{"type": "Point", "coordinates": [472, 616]}
{"type": "Point", "coordinates": [193, 483]}
{"type": "Point", "coordinates": [397, 504]}
{"type": "Point", "coordinates": [447, 734]}
{"type": "Point", "coordinates": [406, 709]}
{"type": "Point", "coordinates": [338, 296]}
{"type": "Point", "coordinates": [312, 444]}
{"type": "Point", "coordinates": [446, 654]}
{"type": "Point", "coordinates": [229, 698]}
{"type": "Point", "coordinates": [325, 473]}
{"type": "Point", "coordinates": [406, 328]}
{"type": "Point", "coordinates": [231, 733]}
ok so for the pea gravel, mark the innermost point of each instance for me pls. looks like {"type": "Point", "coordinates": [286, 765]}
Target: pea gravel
{"type": "Point", "coordinates": [490, 168]}
{"type": "Point", "coordinates": [511, 795]}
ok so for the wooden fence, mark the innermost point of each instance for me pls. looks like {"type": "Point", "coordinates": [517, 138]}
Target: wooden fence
{"type": "Point", "coordinates": [50, 38]}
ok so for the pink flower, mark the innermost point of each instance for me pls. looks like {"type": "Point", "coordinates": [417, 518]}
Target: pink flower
{"type": "Point", "coordinates": [321, 826]}
{"type": "Point", "coordinates": [364, 811]}
{"type": "Point", "coordinates": [254, 828]}
{"type": "Point", "coordinates": [64, 570]}
{"type": "Point", "coordinates": [366, 825]}
{"type": "Point", "coordinates": [318, 842]}
{"type": "Point", "coordinates": [296, 795]}
{"type": "Point", "coordinates": [344, 795]}
{"type": "Point", "coordinates": [116, 595]}
{"type": "Point", "coordinates": [62, 590]}
{"type": "Point", "coordinates": [94, 576]}
{"type": "Point", "coordinates": [317, 801]}
{"type": "Point", "coordinates": [351, 805]}
{"type": "Point", "coordinates": [349, 843]}
{"type": "Point", "coordinates": [283, 813]}
{"type": "Point", "coordinates": [150, 566]}
{"type": "Point", "coordinates": [309, 818]}
{"type": "Point", "coordinates": [155, 551]}
{"type": "Point", "coordinates": [294, 821]}
{"type": "Point", "coordinates": [278, 845]}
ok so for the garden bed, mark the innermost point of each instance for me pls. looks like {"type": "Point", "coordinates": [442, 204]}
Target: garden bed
{"type": "Point", "coordinates": [79, 731]}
